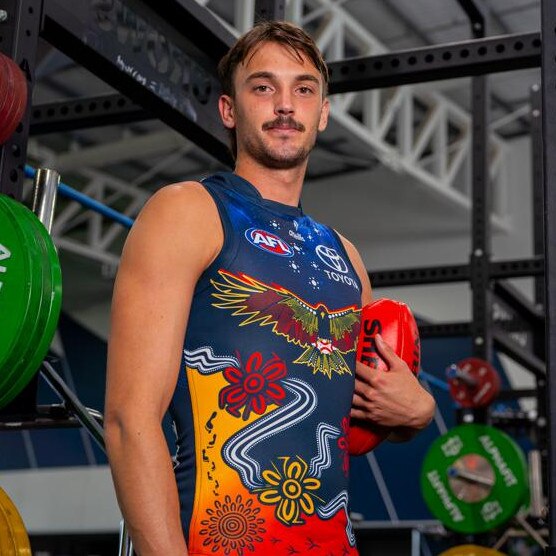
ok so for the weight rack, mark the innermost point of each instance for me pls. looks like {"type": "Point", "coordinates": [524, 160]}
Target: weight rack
{"type": "Point", "coordinates": [76, 33]}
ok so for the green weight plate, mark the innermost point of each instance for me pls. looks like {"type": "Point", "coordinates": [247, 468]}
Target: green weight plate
{"type": "Point", "coordinates": [47, 313]}
{"type": "Point", "coordinates": [22, 374]}
{"type": "Point", "coordinates": [20, 288]}
{"type": "Point", "coordinates": [12, 367]}
{"type": "Point", "coordinates": [52, 296]}
{"type": "Point", "coordinates": [474, 478]}
{"type": "Point", "coordinates": [32, 251]}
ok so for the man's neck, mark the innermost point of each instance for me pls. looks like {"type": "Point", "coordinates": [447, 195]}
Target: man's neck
{"type": "Point", "coordinates": [283, 186]}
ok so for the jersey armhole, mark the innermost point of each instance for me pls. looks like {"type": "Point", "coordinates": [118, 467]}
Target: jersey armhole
{"type": "Point", "coordinates": [346, 255]}
{"type": "Point", "coordinates": [228, 251]}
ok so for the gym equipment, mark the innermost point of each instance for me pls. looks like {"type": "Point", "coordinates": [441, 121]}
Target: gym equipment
{"type": "Point", "coordinates": [13, 97]}
{"type": "Point", "coordinates": [13, 535]}
{"type": "Point", "coordinates": [31, 295]}
{"type": "Point", "coordinates": [86, 201]}
{"type": "Point", "coordinates": [471, 550]}
{"type": "Point", "coordinates": [474, 478]}
{"type": "Point", "coordinates": [394, 321]}
{"type": "Point", "coordinates": [473, 382]}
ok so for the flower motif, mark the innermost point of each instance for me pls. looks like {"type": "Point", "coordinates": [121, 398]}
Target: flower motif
{"type": "Point", "coordinates": [232, 526]}
{"type": "Point", "coordinates": [254, 387]}
{"type": "Point", "coordinates": [343, 444]}
{"type": "Point", "coordinates": [290, 489]}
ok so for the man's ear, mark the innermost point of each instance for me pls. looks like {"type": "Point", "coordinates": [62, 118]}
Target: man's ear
{"type": "Point", "coordinates": [227, 112]}
{"type": "Point", "coordinates": [324, 111]}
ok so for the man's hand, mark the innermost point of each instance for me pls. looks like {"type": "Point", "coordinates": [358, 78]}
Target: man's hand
{"type": "Point", "coordinates": [393, 398]}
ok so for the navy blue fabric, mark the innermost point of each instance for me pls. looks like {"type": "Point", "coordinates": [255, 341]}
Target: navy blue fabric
{"type": "Point", "coordinates": [276, 250]}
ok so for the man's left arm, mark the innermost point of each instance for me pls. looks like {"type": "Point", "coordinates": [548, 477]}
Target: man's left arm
{"type": "Point", "coordinates": [396, 398]}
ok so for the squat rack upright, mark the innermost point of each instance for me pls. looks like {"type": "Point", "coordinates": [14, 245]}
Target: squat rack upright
{"type": "Point", "coordinates": [169, 77]}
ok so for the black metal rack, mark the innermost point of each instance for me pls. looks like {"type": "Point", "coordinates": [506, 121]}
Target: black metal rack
{"type": "Point", "coordinates": [171, 79]}
{"type": "Point", "coordinates": [549, 179]}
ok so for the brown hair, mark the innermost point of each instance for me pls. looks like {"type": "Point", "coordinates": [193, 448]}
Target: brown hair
{"type": "Point", "coordinates": [291, 36]}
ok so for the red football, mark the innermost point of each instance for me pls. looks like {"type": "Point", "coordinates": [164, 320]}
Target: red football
{"type": "Point", "coordinates": [394, 321]}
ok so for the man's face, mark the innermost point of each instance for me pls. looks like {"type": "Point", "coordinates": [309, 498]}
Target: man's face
{"type": "Point", "coordinates": [277, 109]}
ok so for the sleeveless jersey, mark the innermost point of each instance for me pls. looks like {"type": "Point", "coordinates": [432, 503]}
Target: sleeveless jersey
{"type": "Point", "coordinates": [261, 406]}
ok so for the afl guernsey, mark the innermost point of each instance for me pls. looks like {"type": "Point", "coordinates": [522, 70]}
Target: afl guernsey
{"type": "Point", "coordinates": [261, 407]}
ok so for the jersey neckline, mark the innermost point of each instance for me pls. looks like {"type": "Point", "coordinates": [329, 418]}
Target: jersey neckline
{"type": "Point", "coordinates": [249, 190]}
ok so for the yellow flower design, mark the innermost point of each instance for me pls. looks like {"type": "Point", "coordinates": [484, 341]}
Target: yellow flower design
{"type": "Point", "coordinates": [290, 489]}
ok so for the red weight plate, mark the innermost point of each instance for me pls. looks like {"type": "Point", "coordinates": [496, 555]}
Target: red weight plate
{"type": "Point", "coordinates": [15, 109]}
{"type": "Point", "coordinates": [6, 116]}
{"type": "Point", "coordinates": [20, 97]}
{"type": "Point", "coordinates": [3, 81]}
{"type": "Point", "coordinates": [7, 87]}
{"type": "Point", "coordinates": [473, 382]}
{"type": "Point", "coordinates": [21, 93]}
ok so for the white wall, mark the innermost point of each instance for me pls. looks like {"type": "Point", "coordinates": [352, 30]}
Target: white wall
{"type": "Point", "coordinates": [64, 500]}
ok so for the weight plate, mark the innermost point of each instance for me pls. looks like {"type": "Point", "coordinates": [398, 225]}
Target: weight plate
{"type": "Point", "coordinates": [22, 373]}
{"type": "Point", "coordinates": [10, 108]}
{"type": "Point", "coordinates": [14, 540]}
{"type": "Point", "coordinates": [473, 382]}
{"type": "Point", "coordinates": [7, 85]}
{"type": "Point", "coordinates": [4, 85]}
{"type": "Point", "coordinates": [21, 92]}
{"type": "Point", "coordinates": [471, 550]}
{"type": "Point", "coordinates": [474, 478]}
{"type": "Point", "coordinates": [52, 296]}
{"type": "Point", "coordinates": [20, 287]}
{"type": "Point", "coordinates": [17, 100]}
{"type": "Point", "coordinates": [15, 364]}
{"type": "Point", "coordinates": [47, 313]}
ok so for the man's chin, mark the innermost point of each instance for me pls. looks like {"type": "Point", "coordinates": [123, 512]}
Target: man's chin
{"type": "Point", "coordinates": [281, 160]}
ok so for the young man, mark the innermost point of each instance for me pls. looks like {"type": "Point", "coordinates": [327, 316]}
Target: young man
{"type": "Point", "coordinates": [262, 388]}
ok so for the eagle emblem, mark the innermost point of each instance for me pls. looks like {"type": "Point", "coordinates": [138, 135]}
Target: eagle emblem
{"type": "Point", "coordinates": [325, 336]}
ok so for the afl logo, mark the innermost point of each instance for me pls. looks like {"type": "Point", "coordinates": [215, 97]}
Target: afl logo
{"type": "Point", "coordinates": [331, 258]}
{"type": "Point", "coordinates": [268, 241]}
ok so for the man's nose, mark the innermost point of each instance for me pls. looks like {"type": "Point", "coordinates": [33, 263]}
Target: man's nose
{"type": "Point", "coordinates": [284, 103]}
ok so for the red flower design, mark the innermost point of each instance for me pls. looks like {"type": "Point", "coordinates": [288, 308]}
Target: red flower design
{"type": "Point", "coordinates": [254, 387]}
{"type": "Point", "coordinates": [343, 444]}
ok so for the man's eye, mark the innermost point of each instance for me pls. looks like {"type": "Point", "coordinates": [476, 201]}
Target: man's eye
{"type": "Point", "coordinates": [305, 90]}
{"type": "Point", "coordinates": [262, 88]}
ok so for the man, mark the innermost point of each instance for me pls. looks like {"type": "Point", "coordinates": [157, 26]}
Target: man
{"type": "Point", "coordinates": [262, 388]}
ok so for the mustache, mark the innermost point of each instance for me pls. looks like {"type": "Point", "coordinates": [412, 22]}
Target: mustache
{"type": "Point", "coordinates": [284, 121]}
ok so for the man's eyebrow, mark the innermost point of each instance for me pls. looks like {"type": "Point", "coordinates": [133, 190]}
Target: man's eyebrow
{"type": "Point", "coordinates": [307, 77]}
{"type": "Point", "coordinates": [261, 75]}
{"type": "Point", "coordinates": [270, 75]}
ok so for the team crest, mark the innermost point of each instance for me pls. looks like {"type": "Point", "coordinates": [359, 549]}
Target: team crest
{"type": "Point", "coordinates": [324, 335]}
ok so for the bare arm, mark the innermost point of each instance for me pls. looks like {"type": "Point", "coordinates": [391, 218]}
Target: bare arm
{"type": "Point", "coordinates": [166, 251]}
{"type": "Point", "coordinates": [395, 399]}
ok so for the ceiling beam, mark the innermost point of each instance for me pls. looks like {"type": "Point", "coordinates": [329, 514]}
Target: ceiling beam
{"type": "Point", "coordinates": [130, 148]}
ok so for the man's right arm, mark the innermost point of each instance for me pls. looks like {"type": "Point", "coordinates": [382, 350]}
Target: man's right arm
{"type": "Point", "coordinates": [176, 236]}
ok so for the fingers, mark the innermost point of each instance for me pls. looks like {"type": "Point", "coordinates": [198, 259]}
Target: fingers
{"type": "Point", "coordinates": [358, 414]}
{"type": "Point", "coordinates": [364, 373]}
{"type": "Point", "coordinates": [359, 400]}
{"type": "Point", "coordinates": [362, 408]}
{"type": "Point", "coordinates": [385, 351]}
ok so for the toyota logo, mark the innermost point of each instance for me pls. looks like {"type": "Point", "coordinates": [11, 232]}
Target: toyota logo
{"type": "Point", "coordinates": [330, 257]}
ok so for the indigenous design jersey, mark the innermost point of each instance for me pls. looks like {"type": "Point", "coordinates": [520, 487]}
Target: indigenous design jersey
{"type": "Point", "coordinates": [262, 403]}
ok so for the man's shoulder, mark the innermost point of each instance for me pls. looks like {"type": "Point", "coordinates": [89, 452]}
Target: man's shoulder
{"type": "Point", "coordinates": [185, 196]}
{"type": "Point", "coordinates": [174, 224]}
{"type": "Point", "coordinates": [185, 206]}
